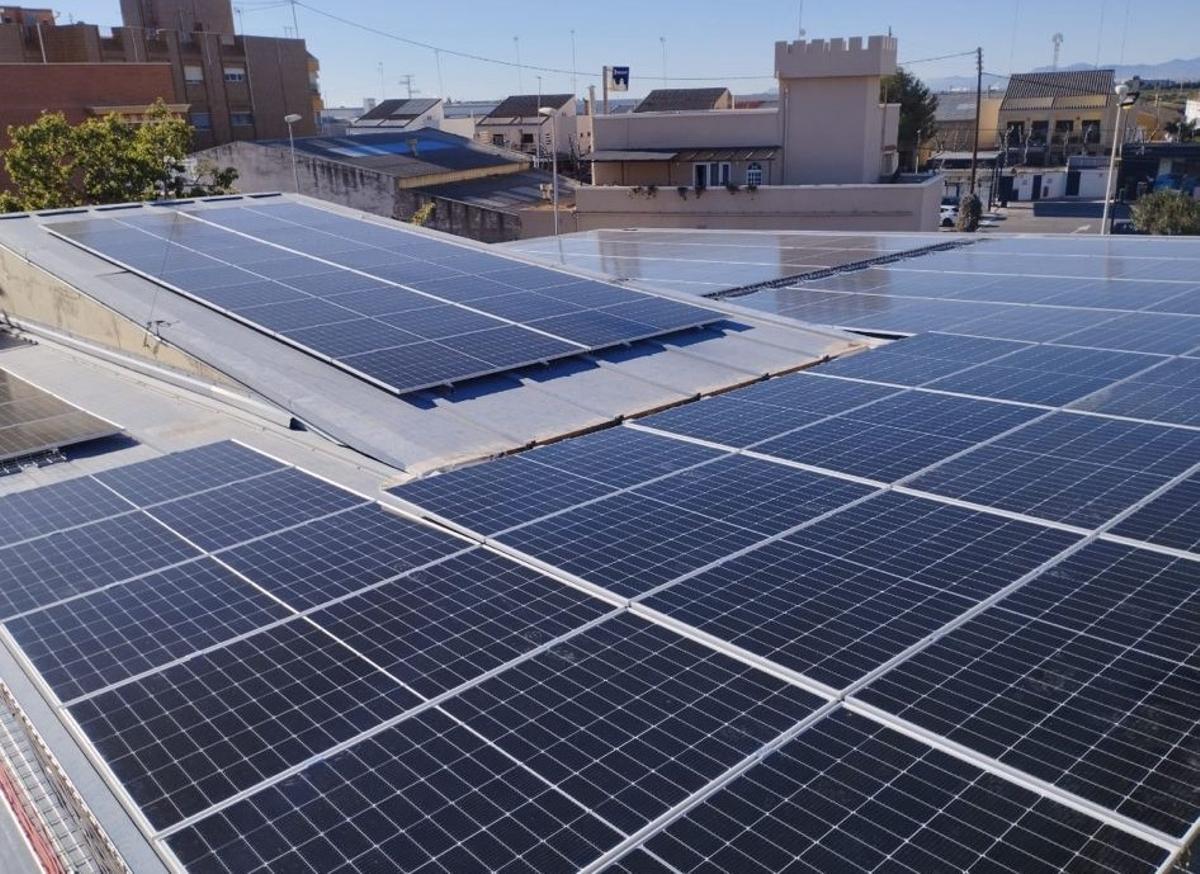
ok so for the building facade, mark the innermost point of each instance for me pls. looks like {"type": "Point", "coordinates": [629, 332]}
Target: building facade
{"type": "Point", "coordinates": [233, 87]}
{"type": "Point", "coordinates": [517, 123]}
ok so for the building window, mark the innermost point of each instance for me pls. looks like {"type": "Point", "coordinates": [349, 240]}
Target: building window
{"type": "Point", "coordinates": [1091, 130]}
{"type": "Point", "coordinates": [497, 139]}
{"type": "Point", "coordinates": [754, 174]}
{"type": "Point", "coordinates": [201, 120]}
{"type": "Point", "coordinates": [241, 119]}
{"type": "Point", "coordinates": [527, 139]}
{"type": "Point", "coordinates": [711, 174]}
{"type": "Point", "coordinates": [235, 74]}
{"type": "Point", "coordinates": [193, 74]}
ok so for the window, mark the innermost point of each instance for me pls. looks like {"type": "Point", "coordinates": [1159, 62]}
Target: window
{"type": "Point", "coordinates": [527, 139]}
{"type": "Point", "coordinates": [712, 174]}
{"type": "Point", "coordinates": [193, 74]}
{"type": "Point", "coordinates": [754, 174]}
{"type": "Point", "coordinates": [497, 139]}
{"type": "Point", "coordinates": [1091, 130]}
{"type": "Point", "coordinates": [235, 74]}
{"type": "Point", "coordinates": [241, 119]}
{"type": "Point", "coordinates": [201, 120]}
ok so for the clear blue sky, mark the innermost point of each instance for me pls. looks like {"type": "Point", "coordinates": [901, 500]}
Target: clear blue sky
{"type": "Point", "coordinates": [715, 39]}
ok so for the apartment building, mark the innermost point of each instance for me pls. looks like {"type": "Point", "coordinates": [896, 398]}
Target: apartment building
{"type": "Point", "coordinates": [231, 87]}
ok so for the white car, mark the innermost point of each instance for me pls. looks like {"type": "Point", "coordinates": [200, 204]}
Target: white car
{"type": "Point", "coordinates": [949, 215]}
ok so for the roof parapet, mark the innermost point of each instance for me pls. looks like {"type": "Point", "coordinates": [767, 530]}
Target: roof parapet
{"type": "Point", "coordinates": [818, 58]}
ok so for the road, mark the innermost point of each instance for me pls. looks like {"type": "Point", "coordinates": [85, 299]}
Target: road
{"type": "Point", "coordinates": [1050, 217]}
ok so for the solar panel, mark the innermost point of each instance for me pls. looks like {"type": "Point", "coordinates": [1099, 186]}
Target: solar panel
{"type": "Point", "coordinates": [85, 644]}
{"type": "Point", "coordinates": [1172, 519]}
{"type": "Point", "coordinates": [44, 510]}
{"type": "Point", "coordinates": [849, 794]}
{"type": "Point", "coordinates": [39, 572]}
{"type": "Point", "coordinates": [841, 597]}
{"type": "Point", "coordinates": [442, 625]}
{"type": "Point", "coordinates": [315, 304]}
{"type": "Point", "coordinates": [250, 508]}
{"type": "Point", "coordinates": [920, 359]}
{"type": "Point", "coordinates": [1169, 393]}
{"type": "Point", "coordinates": [1105, 722]}
{"type": "Point", "coordinates": [1069, 468]}
{"type": "Point", "coordinates": [629, 718]}
{"type": "Point", "coordinates": [338, 554]}
{"type": "Point", "coordinates": [183, 473]}
{"type": "Point", "coordinates": [897, 436]}
{"type": "Point", "coordinates": [213, 725]}
{"type": "Point", "coordinates": [33, 421]}
{"type": "Point", "coordinates": [427, 794]}
{"type": "Point", "coordinates": [1141, 332]}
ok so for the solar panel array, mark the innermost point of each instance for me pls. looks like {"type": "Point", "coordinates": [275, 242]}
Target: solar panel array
{"type": "Point", "coordinates": [404, 310]}
{"type": "Point", "coordinates": [843, 620]}
{"type": "Point", "coordinates": [33, 421]}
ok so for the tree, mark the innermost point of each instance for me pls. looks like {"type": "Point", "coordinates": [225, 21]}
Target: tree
{"type": "Point", "coordinates": [1167, 212]}
{"type": "Point", "coordinates": [917, 108]}
{"type": "Point", "coordinates": [970, 213]}
{"type": "Point", "coordinates": [1184, 130]}
{"type": "Point", "coordinates": [106, 160]}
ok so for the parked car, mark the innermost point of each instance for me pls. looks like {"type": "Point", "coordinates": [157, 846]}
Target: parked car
{"type": "Point", "coordinates": [949, 215]}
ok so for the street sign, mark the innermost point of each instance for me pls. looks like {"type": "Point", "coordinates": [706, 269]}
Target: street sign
{"type": "Point", "coordinates": [618, 79]}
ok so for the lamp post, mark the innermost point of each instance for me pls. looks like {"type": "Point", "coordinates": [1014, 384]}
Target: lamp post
{"type": "Point", "coordinates": [1124, 99]}
{"type": "Point", "coordinates": [549, 113]}
{"type": "Point", "coordinates": [290, 120]}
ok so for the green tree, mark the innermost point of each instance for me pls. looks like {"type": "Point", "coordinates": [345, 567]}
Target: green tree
{"type": "Point", "coordinates": [1171, 213]}
{"type": "Point", "coordinates": [970, 213]}
{"type": "Point", "coordinates": [106, 160]}
{"type": "Point", "coordinates": [1185, 130]}
{"type": "Point", "coordinates": [41, 163]}
{"type": "Point", "coordinates": [917, 108]}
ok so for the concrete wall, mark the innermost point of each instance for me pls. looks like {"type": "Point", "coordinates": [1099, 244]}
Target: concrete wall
{"type": "Point", "coordinates": [880, 207]}
{"type": "Point", "coordinates": [673, 173]}
{"type": "Point", "coordinates": [675, 130]}
{"type": "Point", "coordinates": [462, 219]}
{"type": "Point", "coordinates": [262, 168]}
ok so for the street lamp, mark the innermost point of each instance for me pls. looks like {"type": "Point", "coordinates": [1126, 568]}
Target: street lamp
{"type": "Point", "coordinates": [1124, 100]}
{"type": "Point", "coordinates": [549, 112]}
{"type": "Point", "coordinates": [290, 120]}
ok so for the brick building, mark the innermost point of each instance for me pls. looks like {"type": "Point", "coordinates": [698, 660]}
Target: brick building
{"type": "Point", "coordinates": [231, 87]}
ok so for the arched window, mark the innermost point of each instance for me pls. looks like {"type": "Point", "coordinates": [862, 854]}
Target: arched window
{"type": "Point", "coordinates": [754, 174]}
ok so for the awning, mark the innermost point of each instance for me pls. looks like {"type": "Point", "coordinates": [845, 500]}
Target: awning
{"type": "Point", "coordinates": [741, 153]}
{"type": "Point", "coordinates": [613, 155]}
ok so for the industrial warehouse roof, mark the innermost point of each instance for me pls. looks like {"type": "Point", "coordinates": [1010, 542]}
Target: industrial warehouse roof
{"type": "Point", "coordinates": [930, 605]}
{"type": "Point", "coordinates": [397, 110]}
{"type": "Point", "coordinates": [521, 107]}
{"type": "Point", "coordinates": [405, 153]}
{"type": "Point", "coordinates": [1061, 89]}
{"type": "Point", "coordinates": [682, 99]}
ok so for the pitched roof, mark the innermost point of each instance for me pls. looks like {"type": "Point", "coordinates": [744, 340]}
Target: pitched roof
{"type": "Point", "coordinates": [527, 105]}
{"type": "Point", "coordinates": [1062, 88]}
{"type": "Point", "coordinates": [681, 99]}
{"type": "Point", "coordinates": [399, 110]}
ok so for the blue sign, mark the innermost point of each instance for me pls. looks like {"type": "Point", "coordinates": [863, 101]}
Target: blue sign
{"type": "Point", "coordinates": [620, 79]}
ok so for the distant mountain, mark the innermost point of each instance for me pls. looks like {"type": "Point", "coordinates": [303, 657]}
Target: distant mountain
{"type": "Point", "coordinates": [1186, 69]}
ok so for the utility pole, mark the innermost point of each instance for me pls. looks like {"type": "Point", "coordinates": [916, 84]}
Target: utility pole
{"type": "Point", "coordinates": [520, 80]}
{"type": "Point", "coordinates": [978, 110]}
{"type": "Point", "coordinates": [663, 40]}
{"type": "Point", "coordinates": [295, 24]}
{"type": "Point", "coordinates": [382, 84]}
{"type": "Point", "coordinates": [604, 78]}
{"type": "Point", "coordinates": [574, 79]}
{"type": "Point", "coordinates": [407, 81]}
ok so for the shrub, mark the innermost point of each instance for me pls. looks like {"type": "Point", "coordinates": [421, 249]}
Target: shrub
{"type": "Point", "coordinates": [1170, 213]}
{"type": "Point", "coordinates": [970, 213]}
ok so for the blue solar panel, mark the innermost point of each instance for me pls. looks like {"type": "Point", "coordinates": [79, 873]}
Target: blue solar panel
{"type": "Point", "coordinates": [85, 644]}
{"type": "Point", "coordinates": [729, 420]}
{"type": "Point", "coordinates": [243, 510]}
{"type": "Point", "coordinates": [44, 510]}
{"type": "Point", "coordinates": [1168, 393]}
{"type": "Point", "coordinates": [1106, 722]}
{"type": "Point", "coordinates": [629, 718]}
{"type": "Point", "coordinates": [621, 457]}
{"type": "Point", "coordinates": [1172, 519]}
{"type": "Point", "coordinates": [841, 597]}
{"type": "Point", "coordinates": [42, 571]}
{"type": "Point", "coordinates": [312, 303]}
{"type": "Point", "coordinates": [441, 626]}
{"type": "Point", "coordinates": [850, 795]}
{"type": "Point", "coordinates": [211, 726]}
{"type": "Point", "coordinates": [1069, 468]}
{"type": "Point", "coordinates": [428, 794]}
{"type": "Point", "coordinates": [330, 557]}
{"type": "Point", "coordinates": [1142, 332]}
